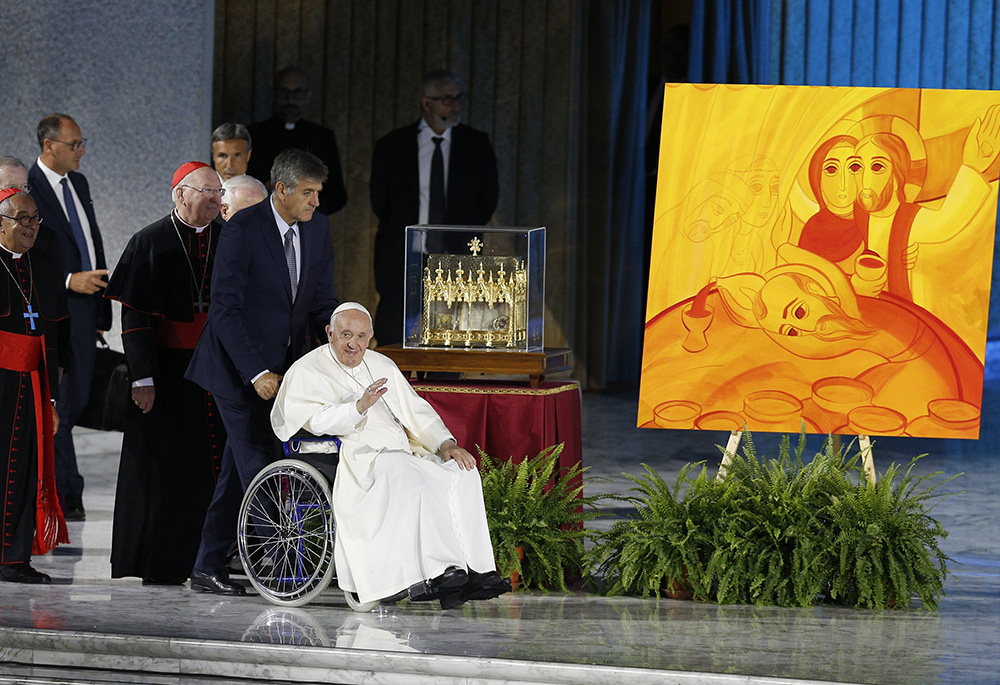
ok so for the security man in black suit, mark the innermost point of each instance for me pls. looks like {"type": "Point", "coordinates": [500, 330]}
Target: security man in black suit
{"type": "Point", "coordinates": [72, 240]}
{"type": "Point", "coordinates": [435, 171]}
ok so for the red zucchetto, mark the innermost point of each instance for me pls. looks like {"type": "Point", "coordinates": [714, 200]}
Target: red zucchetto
{"type": "Point", "coordinates": [185, 169]}
{"type": "Point", "coordinates": [7, 192]}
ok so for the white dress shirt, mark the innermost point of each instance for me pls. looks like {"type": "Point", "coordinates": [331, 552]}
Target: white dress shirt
{"type": "Point", "coordinates": [425, 153]}
{"type": "Point", "coordinates": [55, 180]}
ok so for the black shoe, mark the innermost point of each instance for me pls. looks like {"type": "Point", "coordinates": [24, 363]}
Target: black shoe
{"type": "Point", "coordinates": [451, 599]}
{"type": "Point", "coordinates": [216, 583]}
{"type": "Point", "coordinates": [426, 590]}
{"type": "Point", "coordinates": [485, 586]}
{"type": "Point", "coordinates": [23, 573]}
{"type": "Point", "coordinates": [480, 586]}
{"type": "Point", "coordinates": [74, 508]}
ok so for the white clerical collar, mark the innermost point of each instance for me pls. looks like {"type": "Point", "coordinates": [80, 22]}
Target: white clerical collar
{"type": "Point", "coordinates": [289, 125]}
{"type": "Point", "coordinates": [15, 255]}
{"type": "Point", "coordinates": [196, 229]}
{"type": "Point", "coordinates": [283, 225]}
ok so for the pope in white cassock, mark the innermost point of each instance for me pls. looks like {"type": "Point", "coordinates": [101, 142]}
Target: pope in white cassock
{"type": "Point", "coordinates": [407, 500]}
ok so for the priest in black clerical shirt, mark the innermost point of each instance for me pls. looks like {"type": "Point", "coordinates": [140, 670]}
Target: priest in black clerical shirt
{"type": "Point", "coordinates": [172, 450]}
{"type": "Point", "coordinates": [32, 301]}
{"type": "Point", "coordinates": [288, 129]}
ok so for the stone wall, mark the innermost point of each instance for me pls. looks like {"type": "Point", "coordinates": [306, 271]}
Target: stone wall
{"type": "Point", "coordinates": [136, 76]}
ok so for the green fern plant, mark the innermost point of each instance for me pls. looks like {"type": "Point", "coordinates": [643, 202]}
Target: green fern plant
{"type": "Point", "coordinates": [773, 538]}
{"type": "Point", "coordinates": [781, 532]}
{"type": "Point", "coordinates": [541, 509]}
{"type": "Point", "coordinates": [668, 540]}
{"type": "Point", "coordinates": [885, 542]}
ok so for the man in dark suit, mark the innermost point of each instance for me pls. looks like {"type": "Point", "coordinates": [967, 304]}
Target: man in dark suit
{"type": "Point", "coordinates": [273, 276]}
{"type": "Point", "coordinates": [72, 240]}
{"type": "Point", "coordinates": [288, 129]}
{"type": "Point", "coordinates": [434, 171]}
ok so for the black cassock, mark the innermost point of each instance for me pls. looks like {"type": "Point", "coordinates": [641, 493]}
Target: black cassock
{"type": "Point", "coordinates": [21, 326]}
{"type": "Point", "coordinates": [171, 456]}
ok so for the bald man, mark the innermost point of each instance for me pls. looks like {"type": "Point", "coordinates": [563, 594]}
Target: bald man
{"type": "Point", "coordinates": [241, 192]}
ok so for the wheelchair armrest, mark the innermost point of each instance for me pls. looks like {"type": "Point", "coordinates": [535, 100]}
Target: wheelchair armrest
{"type": "Point", "coordinates": [304, 441]}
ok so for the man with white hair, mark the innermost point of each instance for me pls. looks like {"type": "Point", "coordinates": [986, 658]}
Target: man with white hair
{"type": "Point", "coordinates": [172, 449]}
{"type": "Point", "coordinates": [408, 500]}
{"type": "Point", "coordinates": [13, 174]}
{"type": "Point", "coordinates": [241, 192]}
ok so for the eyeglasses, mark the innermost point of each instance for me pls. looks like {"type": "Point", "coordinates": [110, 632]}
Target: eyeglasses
{"type": "Point", "coordinates": [74, 146]}
{"type": "Point", "coordinates": [211, 191]}
{"type": "Point", "coordinates": [297, 93]}
{"type": "Point", "coordinates": [449, 100]}
{"type": "Point", "coordinates": [25, 221]}
{"type": "Point", "coordinates": [24, 189]}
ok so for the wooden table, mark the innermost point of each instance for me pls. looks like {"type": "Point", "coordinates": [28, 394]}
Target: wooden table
{"type": "Point", "coordinates": [534, 365]}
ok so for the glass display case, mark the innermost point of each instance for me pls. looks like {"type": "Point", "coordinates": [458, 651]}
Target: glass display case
{"type": "Point", "coordinates": [475, 287]}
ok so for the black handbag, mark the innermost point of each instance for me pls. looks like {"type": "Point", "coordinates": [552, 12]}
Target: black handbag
{"type": "Point", "coordinates": [110, 391]}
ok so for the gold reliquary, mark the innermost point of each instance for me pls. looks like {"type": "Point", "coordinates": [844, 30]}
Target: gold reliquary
{"type": "Point", "coordinates": [479, 287]}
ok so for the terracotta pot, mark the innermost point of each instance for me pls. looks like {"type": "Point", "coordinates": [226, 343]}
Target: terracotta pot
{"type": "Point", "coordinates": [679, 588]}
{"type": "Point", "coordinates": [515, 577]}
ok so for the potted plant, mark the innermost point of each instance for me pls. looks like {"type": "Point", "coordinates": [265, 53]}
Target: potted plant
{"type": "Point", "coordinates": [540, 509]}
{"type": "Point", "coordinates": [664, 546]}
{"type": "Point", "coordinates": [885, 543]}
{"type": "Point", "coordinates": [772, 538]}
{"type": "Point", "coordinates": [781, 532]}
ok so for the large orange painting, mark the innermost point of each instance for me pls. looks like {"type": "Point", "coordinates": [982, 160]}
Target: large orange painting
{"type": "Point", "coordinates": [821, 255]}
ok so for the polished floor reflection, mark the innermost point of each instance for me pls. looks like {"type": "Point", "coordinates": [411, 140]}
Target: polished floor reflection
{"type": "Point", "coordinates": [171, 634]}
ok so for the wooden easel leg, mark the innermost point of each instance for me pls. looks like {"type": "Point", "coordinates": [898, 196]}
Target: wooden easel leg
{"type": "Point", "coordinates": [727, 458]}
{"type": "Point", "coordinates": [868, 461]}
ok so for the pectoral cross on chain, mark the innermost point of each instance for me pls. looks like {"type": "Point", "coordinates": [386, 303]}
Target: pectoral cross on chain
{"type": "Point", "coordinates": [200, 305]}
{"type": "Point", "coordinates": [31, 315]}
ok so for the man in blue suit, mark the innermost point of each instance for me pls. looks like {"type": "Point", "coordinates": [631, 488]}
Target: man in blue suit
{"type": "Point", "coordinates": [273, 276]}
{"type": "Point", "coordinates": [72, 240]}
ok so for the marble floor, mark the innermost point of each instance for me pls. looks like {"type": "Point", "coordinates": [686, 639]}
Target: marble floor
{"type": "Point", "coordinates": [89, 628]}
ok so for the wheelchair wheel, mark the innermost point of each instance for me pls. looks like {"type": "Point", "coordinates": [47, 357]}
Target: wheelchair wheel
{"type": "Point", "coordinates": [359, 606]}
{"type": "Point", "coordinates": [286, 532]}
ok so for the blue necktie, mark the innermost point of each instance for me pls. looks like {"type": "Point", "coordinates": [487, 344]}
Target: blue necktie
{"type": "Point", "coordinates": [74, 223]}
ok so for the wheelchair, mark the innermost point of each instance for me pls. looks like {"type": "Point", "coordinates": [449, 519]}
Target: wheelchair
{"type": "Point", "coordinates": [286, 532]}
{"type": "Point", "coordinates": [286, 528]}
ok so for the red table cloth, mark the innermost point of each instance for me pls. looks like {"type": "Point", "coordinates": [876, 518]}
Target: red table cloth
{"type": "Point", "coordinates": [510, 420]}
